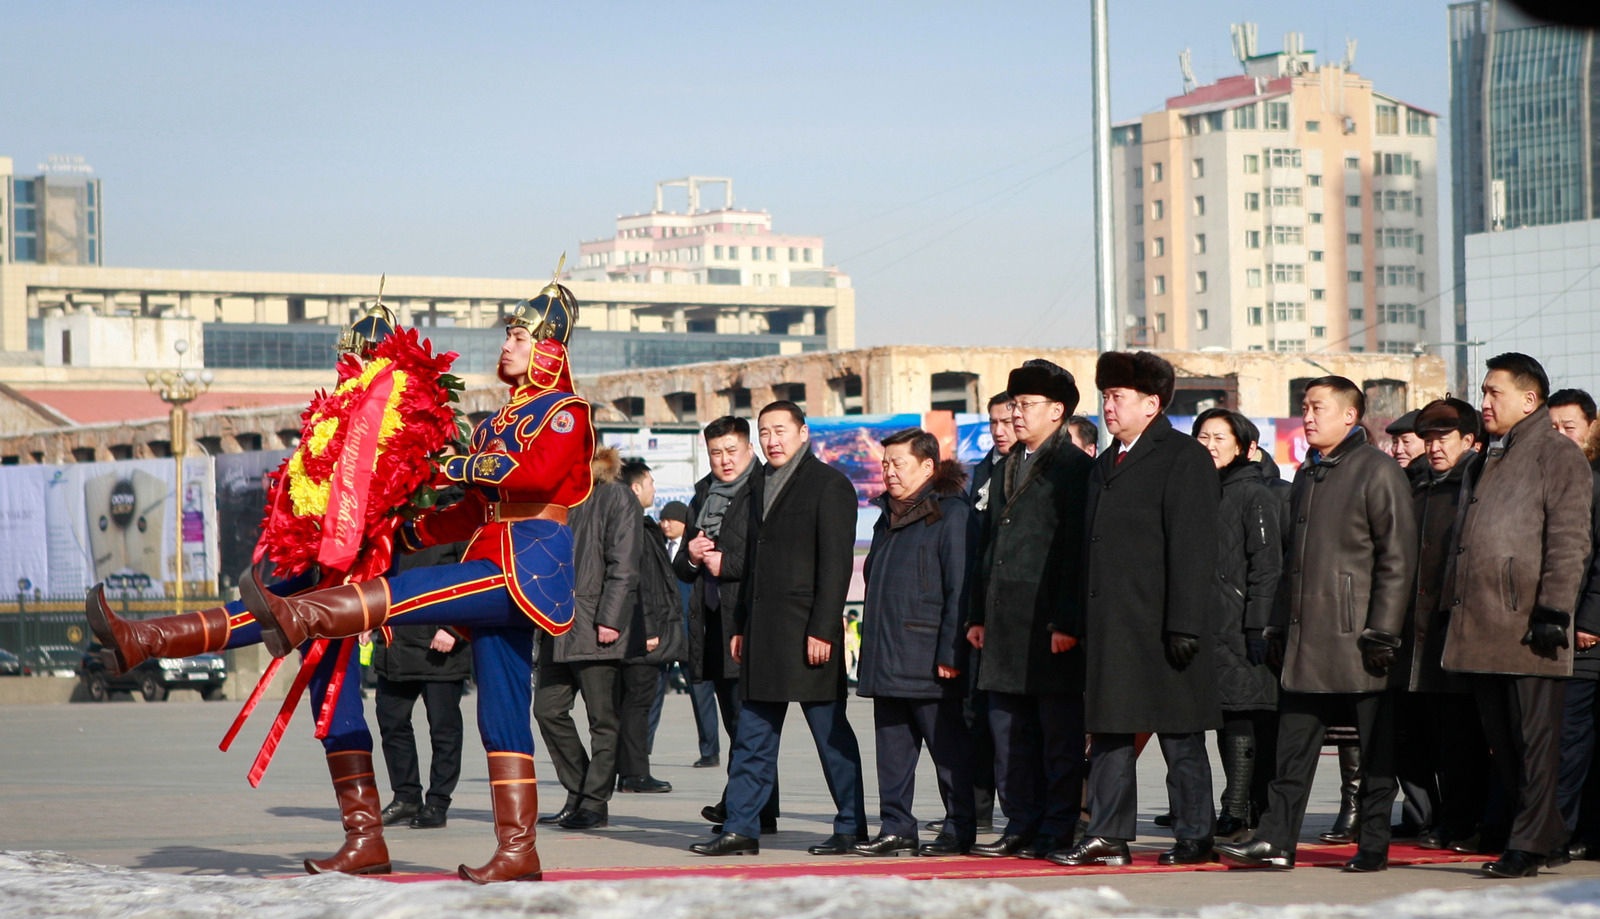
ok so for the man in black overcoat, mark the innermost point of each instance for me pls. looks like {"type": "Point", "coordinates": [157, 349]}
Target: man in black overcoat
{"type": "Point", "coordinates": [1025, 615]}
{"type": "Point", "coordinates": [789, 634]}
{"type": "Point", "coordinates": [1150, 613]}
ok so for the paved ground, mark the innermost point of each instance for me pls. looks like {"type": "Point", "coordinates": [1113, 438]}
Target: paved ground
{"type": "Point", "coordinates": [143, 786]}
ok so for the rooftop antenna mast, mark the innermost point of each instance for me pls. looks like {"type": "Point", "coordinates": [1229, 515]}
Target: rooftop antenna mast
{"type": "Point", "coordinates": [1186, 65]}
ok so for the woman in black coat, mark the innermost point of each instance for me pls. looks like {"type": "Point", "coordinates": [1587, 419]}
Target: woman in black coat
{"type": "Point", "coordinates": [1249, 563]}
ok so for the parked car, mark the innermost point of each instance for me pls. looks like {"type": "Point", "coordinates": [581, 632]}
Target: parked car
{"type": "Point", "coordinates": [52, 660]}
{"type": "Point", "coordinates": [155, 677]}
{"type": "Point", "coordinates": [12, 665]}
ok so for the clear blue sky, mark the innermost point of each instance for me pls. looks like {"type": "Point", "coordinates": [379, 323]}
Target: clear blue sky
{"type": "Point", "coordinates": [942, 148]}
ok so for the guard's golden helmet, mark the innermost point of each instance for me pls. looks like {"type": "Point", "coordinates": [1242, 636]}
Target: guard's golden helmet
{"type": "Point", "coordinates": [550, 314]}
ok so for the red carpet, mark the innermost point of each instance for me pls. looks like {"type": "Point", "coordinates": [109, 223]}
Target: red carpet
{"type": "Point", "coordinates": [924, 869]}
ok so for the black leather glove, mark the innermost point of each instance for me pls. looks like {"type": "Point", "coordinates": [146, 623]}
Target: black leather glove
{"type": "Point", "coordinates": [1181, 649]}
{"type": "Point", "coordinates": [1547, 631]}
{"type": "Point", "coordinates": [1376, 657]}
{"type": "Point", "coordinates": [1255, 647]}
{"type": "Point", "coordinates": [1277, 649]}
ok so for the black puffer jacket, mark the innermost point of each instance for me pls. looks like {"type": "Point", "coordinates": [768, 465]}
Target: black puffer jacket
{"type": "Point", "coordinates": [1249, 563]}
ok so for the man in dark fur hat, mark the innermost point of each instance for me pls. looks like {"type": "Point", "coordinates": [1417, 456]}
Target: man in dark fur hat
{"type": "Point", "coordinates": [1026, 615]}
{"type": "Point", "coordinates": [1152, 530]}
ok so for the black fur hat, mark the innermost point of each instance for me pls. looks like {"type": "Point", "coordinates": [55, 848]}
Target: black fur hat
{"type": "Point", "coordinates": [1140, 371]}
{"type": "Point", "coordinates": [1040, 377]}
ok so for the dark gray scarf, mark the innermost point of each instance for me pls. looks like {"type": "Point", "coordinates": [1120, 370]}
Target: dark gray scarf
{"type": "Point", "coordinates": [718, 496]}
{"type": "Point", "coordinates": [779, 477]}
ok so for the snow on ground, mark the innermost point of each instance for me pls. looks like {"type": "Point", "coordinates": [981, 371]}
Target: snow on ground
{"type": "Point", "coordinates": [52, 884]}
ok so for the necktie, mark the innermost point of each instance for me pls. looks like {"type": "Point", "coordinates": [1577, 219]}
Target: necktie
{"type": "Point", "coordinates": [1121, 455]}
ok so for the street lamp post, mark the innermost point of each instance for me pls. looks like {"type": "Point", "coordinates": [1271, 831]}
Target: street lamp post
{"type": "Point", "coordinates": [177, 388]}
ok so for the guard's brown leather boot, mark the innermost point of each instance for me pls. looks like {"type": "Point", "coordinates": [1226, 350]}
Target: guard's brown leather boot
{"type": "Point", "coordinates": [514, 794]}
{"type": "Point", "coordinates": [129, 642]}
{"type": "Point", "coordinates": [333, 612]}
{"type": "Point", "coordinates": [364, 851]}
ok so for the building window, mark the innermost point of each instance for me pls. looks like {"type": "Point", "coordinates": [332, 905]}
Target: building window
{"type": "Point", "coordinates": [1138, 288]}
{"type": "Point", "coordinates": [1352, 239]}
{"type": "Point", "coordinates": [1313, 127]}
{"type": "Point", "coordinates": [1138, 216]}
{"type": "Point", "coordinates": [1357, 314]}
{"type": "Point", "coordinates": [1284, 157]}
{"type": "Point", "coordinates": [1202, 319]}
{"type": "Point", "coordinates": [1244, 118]}
{"type": "Point", "coordinates": [1287, 273]}
{"type": "Point", "coordinates": [1252, 201]}
{"type": "Point", "coordinates": [1200, 283]}
{"type": "Point", "coordinates": [1161, 323]}
{"type": "Point", "coordinates": [1159, 244]}
{"type": "Point", "coordinates": [1286, 196]}
{"type": "Point", "coordinates": [1158, 210]}
{"type": "Point", "coordinates": [1138, 250]}
{"type": "Point", "coordinates": [1314, 217]}
{"type": "Point", "coordinates": [1252, 315]}
{"type": "Point", "coordinates": [755, 253]}
{"type": "Point", "coordinates": [1252, 163]}
{"type": "Point", "coordinates": [1387, 120]}
{"type": "Point", "coordinates": [1199, 205]}
{"type": "Point", "coordinates": [807, 253]}
{"type": "Point", "coordinates": [1319, 331]}
{"type": "Point", "coordinates": [1318, 293]}
{"type": "Point", "coordinates": [1197, 168]}
{"type": "Point", "coordinates": [1418, 124]}
{"type": "Point", "coordinates": [1398, 313]}
{"type": "Point", "coordinates": [1288, 344]}
{"type": "Point", "coordinates": [1286, 235]}
{"type": "Point", "coordinates": [1155, 172]}
{"type": "Point", "coordinates": [1252, 277]}
{"type": "Point", "coordinates": [1395, 164]}
{"type": "Point", "coordinates": [1252, 239]}
{"type": "Point", "coordinates": [1352, 162]}
{"type": "Point", "coordinates": [733, 252]}
{"type": "Point", "coordinates": [1354, 277]}
{"type": "Point", "coordinates": [794, 254]}
{"type": "Point", "coordinates": [1352, 200]}
{"type": "Point", "coordinates": [1316, 255]}
{"type": "Point", "coordinates": [1199, 244]}
{"type": "Point", "coordinates": [1315, 181]}
{"type": "Point", "coordinates": [1289, 312]}
{"type": "Point", "coordinates": [1277, 118]}
{"type": "Point", "coordinates": [1159, 284]}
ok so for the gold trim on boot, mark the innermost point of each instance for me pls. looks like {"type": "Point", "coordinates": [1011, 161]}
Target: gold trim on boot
{"type": "Point", "coordinates": [333, 612]}
{"type": "Point", "coordinates": [514, 796]}
{"type": "Point", "coordinates": [355, 786]}
{"type": "Point", "coordinates": [130, 642]}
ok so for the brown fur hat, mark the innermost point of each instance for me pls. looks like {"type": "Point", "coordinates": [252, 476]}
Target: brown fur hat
{"type": "Point", "coordinates": [1139, 371]}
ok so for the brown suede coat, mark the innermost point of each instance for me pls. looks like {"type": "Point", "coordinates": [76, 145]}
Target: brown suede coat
{"type": "Point", "coordinates": [1523, 545]}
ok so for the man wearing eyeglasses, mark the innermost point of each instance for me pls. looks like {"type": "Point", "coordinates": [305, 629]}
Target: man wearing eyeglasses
{"type": "Point", "coordinates": [1026, 616]}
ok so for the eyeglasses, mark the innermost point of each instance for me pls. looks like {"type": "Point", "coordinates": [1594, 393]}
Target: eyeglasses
{"type": "Point", "coordinates": [1013, 405]}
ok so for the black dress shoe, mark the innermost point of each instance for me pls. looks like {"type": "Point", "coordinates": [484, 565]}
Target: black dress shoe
{"type": "Point", "coordinates": [886, 845]}
{"type": "Point", "coordinates": [1470, 845]}
{"type": "Point", "coordinates": [728, 844]}
{"type": "Point", "coordinates": [1230, 826]}
{"type": "Point", "coordinates": [1430, 839]}
{"type": "Point", "coordinates": [1515, 863]}
{"type": "Point", "coordinates": [1004, 847]}
{"type": "Point", "coordinates": [982, 825]}
{"type": "Point", "coordinates": [944, 845]}
{"type": "Point", "coordinates": [1189, 852]}
{"type": "Point", "coordinates": [1558, 858]}
{"type": "Point", "coordinates": [567, 810]}
{"type": "Point", "coordinates": [1256, 853]}
{"type": "Point", "coordinates": [715, 813]}
{"type": "Point", "coordinates": [837, 844]}
{"type": "Point", "coordinates": [1096, 850]}
{"type": "Point", "coordinates": [431, 817]}
{"type": "Point", "coordinates": [1368, 861]}
{"type": "Point", "coordinates": [768, 827]}
{"type": "Point", "coordinates": [706, 762]}
{"type": "Point", "coordinates": [643, 785]}
{"type": "Point", "coordinates": [1163, 820]}
{"type": "Point", "coordinates": [1041, 847]}
{"type": "Point", "coordinates": [585, 819]}
{"type": "Point", "coordinates": [400, 811]}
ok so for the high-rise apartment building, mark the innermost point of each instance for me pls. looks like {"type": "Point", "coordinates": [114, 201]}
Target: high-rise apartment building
{"type": "Point", "coordinates": [1289, 208]}
{"type": "Point", "coordinates": [50, 219]}
{"type": "Point", "coordinates": [1524, 101]}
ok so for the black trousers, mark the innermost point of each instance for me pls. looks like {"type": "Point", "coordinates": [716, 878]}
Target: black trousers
{"type": "Point", "coordinates": [1113, 786]}
{"type": "Point", "coordinates": [636, 691]}
{"type": "Point", "coordinates": [729, 704]}
{"type": "Point", "coordinates": [900, 727]}
{"type": "Point", "coordinates": [1522, 723]}
{"type": "Point", "coordinates": [1303, 718]}
{"type": "Point", "coordinates": [975, 712]}
{"type": "Point", "coordinates": [396, 700]}
{"type": "Point", "coordinates": [1441, 758]}
{"type": "Point", "coordinates": [589, 776]}
{"type": "Point", "coordinates": [1038, 765]}
{"type": "Point", "coordinates": [1575, 787]}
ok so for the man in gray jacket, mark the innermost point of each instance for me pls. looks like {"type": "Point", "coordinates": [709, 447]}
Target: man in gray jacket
{"type": "Point", "coordinates": [1521, 556]}
{"type": "Point", "coordinates": [588, 658]}
{"type": "Point", "coordinates": [1338, 619]}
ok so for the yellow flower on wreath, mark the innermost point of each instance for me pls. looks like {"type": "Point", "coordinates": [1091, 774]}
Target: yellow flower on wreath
{"type": "Point", "coordinates": [308, 495]}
